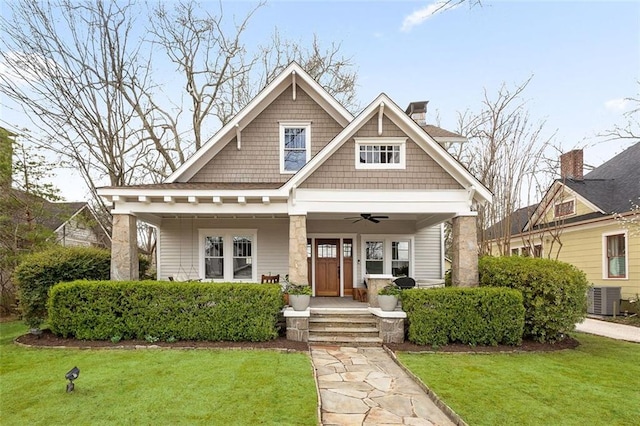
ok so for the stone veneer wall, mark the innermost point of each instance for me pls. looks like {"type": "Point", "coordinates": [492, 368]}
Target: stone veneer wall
{"type": "Point", "coordinates": [298, 329]}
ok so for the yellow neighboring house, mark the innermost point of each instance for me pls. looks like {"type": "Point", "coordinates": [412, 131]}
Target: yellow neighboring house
{"type": "Point", "coordinates": [575, 222]}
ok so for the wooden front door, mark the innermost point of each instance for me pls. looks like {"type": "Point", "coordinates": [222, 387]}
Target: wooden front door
{"type": "Point", "coordinates": [327, 267]}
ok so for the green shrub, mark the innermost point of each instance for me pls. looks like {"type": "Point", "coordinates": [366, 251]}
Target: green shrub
{"type": "Point", "coordinates": [37, 272]}
{"type": "Point", "coordinates": [103, 310]}
{"type": "Point", "coordinates": [554, 293]}
{"type": "Point", "coordinates": [475, 316]}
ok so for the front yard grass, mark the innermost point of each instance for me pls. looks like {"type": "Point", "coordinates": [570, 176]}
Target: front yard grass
{"type": "Point", "coordinates": [231, 387]}
{"type": "Point", "coordinates": [597, 384]}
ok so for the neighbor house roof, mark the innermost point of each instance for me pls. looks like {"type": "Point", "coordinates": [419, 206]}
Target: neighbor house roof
{"type": "Point", "coordinates": [614, 184]}
{"type": "Point", "coordinates": [519, 219]}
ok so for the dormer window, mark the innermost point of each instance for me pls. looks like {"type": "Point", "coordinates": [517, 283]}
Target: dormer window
{"type": "Point", "coordinates": [295, 146]}
{"type": "Point", "coordinates": [380, 153]}
{"type": "Point", "coordinates": [565, 208]}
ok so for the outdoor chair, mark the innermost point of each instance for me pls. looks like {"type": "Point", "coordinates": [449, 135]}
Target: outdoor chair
{"type": "Point", "coordinates": [405, 283]}
{"type": "Point", "coordinates": [270, 279]}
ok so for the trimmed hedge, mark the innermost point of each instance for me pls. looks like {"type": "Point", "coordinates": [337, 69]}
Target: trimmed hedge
{"type": "Point", "coordinates": [555, 293]}
{"type": "Point", "coordinates": [37, 272]}
{"type": "Point", "coordinates": [164, 310]}
{"type": "Point", "coordinates": [474, 316]}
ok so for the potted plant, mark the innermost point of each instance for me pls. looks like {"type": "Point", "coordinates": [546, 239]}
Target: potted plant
{"type": "Point", "coordinates": [388, 297]}
{"type": "Point", "coordinates": [299, 296]}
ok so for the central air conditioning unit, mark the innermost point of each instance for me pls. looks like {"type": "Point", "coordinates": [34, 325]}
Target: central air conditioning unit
{"type": "Point", "coordinates": [604, 300]}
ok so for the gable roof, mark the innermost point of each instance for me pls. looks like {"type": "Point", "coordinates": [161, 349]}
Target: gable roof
{"type": "Point", "coordinates": [293, 73]}
{"type": "Point", "coordinates": [413, 130]}
{"type": "Point", "coordinates": [518, 218]}
{"type": "Point", "coordinates": [614, 184]}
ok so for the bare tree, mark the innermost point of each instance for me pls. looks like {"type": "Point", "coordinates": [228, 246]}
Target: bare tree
{"type": "Point", "coordinates": [88, 82]}
{"type": "Point", "coordinates": [630, 128]}
{"type": "Point", "coordinates": [506, 152]}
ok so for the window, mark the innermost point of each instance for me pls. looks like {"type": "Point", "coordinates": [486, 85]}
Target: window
{"type": "Point", "coordinates": [616, 256]}
{"type": "Point", "coordinates": [389, 255]}
{"type": "Point", "coordinates": [537, 251]}
{"type": "Point", "coordinates": [380, 153]}
{"type": "Point", "coordinates": [374, 257]}
{"type": "Point", "coordinates": [400, 258]}
{"type": "Point", "coordinates": [515, 252]}
{"type": "Point", "coordinates": [295, 146]}
{"type": "Point", "coordinates": [228, 255]}
{"type": "Point", "coordinates": [565, 208]}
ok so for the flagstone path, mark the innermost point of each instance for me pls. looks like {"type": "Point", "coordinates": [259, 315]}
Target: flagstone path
{"type": "Point", "coordinates": [364, 386]}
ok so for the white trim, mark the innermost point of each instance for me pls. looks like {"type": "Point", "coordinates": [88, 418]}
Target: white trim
{"type": "Point", "coordinates": [605, 256]}
{"type": "Point", "coordinates": [228, 234]}
{"type": "Point", "coordinates": [413, 132]}
{"type": "Point", "coordinates": [387, 261]}
{"type": "Point", "coordinates": [395, 141]}
{"type": "Point", "coordinates": [557, 202]}
{"type": "Point", "coordinates": [283, 125]}
{"type": "Point", "coordinates": [442, 252]}
{"type": "Point", "coordinates": [258, 104]}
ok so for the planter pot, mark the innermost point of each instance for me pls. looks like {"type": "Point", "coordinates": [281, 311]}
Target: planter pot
{"type": "Point", "coordinates": [299, 302]}
{"type": "Point", "coordinates": [36, 332]}
{"type": "Point", "coordinates": [387, 303]}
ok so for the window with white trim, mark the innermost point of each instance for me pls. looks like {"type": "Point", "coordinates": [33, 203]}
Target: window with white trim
{"type": "Point", "coordinates": [295, 146]}
{"type": "Point", "coordinates": [615, 255]}
{"type": "Point", "coordinates": [228, 255]}
{"type": "Point", "coordinates": [387, 255]}
{"type": "Point", "coordinates": [380, 153]}
{"type": "Point", "coordinates": [564, 208]}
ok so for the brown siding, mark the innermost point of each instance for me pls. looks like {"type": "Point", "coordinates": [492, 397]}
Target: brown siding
{"type": "Point", "coordinates": [258, 160]}
{"type": "Point", "coordinates": [339, 172]}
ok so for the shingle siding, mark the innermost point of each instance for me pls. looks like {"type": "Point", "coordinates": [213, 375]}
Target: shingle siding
{"type": "Point", "coordinates": [421, 172]}
{"type": "Point", "coordinates": [258, 160]}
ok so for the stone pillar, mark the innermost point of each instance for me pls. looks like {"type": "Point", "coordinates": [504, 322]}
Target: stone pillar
{"type": "Point", "coordinates": [464, 268]}
{"type": "Point", "coordinates": [298, 273]}
{"type": "Point", "coordinates": [124, 248]}
{"type": "Point", "coordinates": [374, 285]}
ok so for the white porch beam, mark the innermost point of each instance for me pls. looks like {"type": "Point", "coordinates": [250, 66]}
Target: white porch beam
{"type": "Point", "coordinates": [192, 199]}
{"type": "Point", "coordinates": [204, 209]}
{"type": "Point", "coordinates": [144, 199]}
{"type": "Point", "coordinates": [169, 199]}
{"type": "Point", "coordinates": [242, 200]}
{"type": "Point", "coordinates": [266, 200]}
{"type": "Point", "coordinates": [116, 198]}
{"type": "Point", "coordinates": [217, 200]}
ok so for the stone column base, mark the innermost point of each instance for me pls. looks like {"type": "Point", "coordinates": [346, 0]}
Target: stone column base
{"type": "Point", "coordinates": [297, 324]}
{"type": "Point", "coordinates": [390, 325]}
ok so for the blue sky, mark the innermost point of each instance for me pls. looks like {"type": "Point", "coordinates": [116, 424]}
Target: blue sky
{"type": "Point", "coordinates": [584, 57]}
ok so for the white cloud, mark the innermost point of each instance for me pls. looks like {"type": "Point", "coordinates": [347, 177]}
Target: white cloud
{"type": "Point", "coordinates": [421, 15]}
{"type": "Point", "coordinates": [619, 104]}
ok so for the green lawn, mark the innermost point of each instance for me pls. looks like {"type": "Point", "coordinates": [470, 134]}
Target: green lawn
{"type": "Point", "coordinates": [597, 384]}
{"type": "Point", "coordinates": [165, 386]}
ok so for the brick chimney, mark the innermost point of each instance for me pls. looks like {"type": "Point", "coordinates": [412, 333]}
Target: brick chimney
{"type": "Point", "coordinates": [571, 165]}
{"type": "Point", "coordinates": [418, 112]}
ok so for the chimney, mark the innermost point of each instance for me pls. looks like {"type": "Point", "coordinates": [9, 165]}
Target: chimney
{"type": "Point", "coordinates": [571, 165]}
{"type": "Point", "coordinates": [418, 112]}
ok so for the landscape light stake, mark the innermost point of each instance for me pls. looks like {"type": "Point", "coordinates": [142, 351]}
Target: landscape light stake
{"type": "Point", "coordinates": [71, 376]}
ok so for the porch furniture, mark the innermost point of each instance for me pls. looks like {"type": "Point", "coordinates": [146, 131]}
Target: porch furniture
{"type": "Point", "coordinates": [270, 279]}
{"type": "Point", "coordinates": [405, 283]}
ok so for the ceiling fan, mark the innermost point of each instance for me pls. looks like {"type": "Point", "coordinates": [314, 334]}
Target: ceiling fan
{"type": "Point", "coordinates": [367, 216]}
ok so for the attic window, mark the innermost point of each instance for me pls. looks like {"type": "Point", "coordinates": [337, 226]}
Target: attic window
{"type": "Point", "coordinates": [565, 208]}
{"type": "Point", "coordinates": [295, 146]}
{"type": "Point", "coordinates": [380, 153]}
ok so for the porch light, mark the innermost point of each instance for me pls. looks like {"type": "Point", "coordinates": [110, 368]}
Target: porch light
{"type": "Point", "coordinates": [71, 376]}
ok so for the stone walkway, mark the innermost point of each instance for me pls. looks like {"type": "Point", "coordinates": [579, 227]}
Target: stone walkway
{"type": "Point", "coordinates": [364, 386]}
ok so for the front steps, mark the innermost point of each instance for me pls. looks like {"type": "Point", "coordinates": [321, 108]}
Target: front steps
{"type": "Point", "coordinates": [347, 327]}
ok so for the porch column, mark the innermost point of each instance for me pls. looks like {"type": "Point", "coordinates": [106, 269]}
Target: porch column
{"type": "Point", "coordinates": [464, 268]}
{"type": "Point", "coordinates": [298, 273]}
{"type": "Point", "coordinates": [124, 248]}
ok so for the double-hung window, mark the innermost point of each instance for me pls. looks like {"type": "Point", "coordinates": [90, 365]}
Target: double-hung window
{"type": "Point", "coordinates": [295, 146]}
{"type": "Point", "coordinates": [380, 153]}
{"type": "Point", "coordinates": [615, 255]}
{"type": "Point", "coordinates": [387, 255]}
{"type": "Point", "coordinates": [228, 255]}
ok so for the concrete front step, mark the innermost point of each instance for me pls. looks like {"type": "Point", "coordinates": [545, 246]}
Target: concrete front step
{"type": "Point", "coordinates": [342, 330]}
{"type": "Point", "coordinates": [335, 319]}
